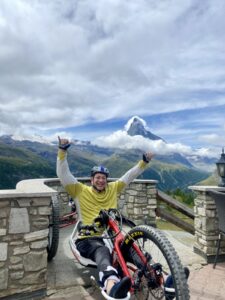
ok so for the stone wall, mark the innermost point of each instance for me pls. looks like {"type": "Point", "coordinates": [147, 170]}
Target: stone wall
{"type": "Point", "coordinates": [206, 223]}
{"type": "Point", "coordinates": [138, 202]}
{"type": "Point", "coordinates": [24, 221]}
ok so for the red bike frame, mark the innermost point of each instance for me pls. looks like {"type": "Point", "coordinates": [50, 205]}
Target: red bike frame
{"type": "Point", "coordinates": [117, 255]}
{"type": "Point", "coordinates": [68, 219]}
{"type": "Point", "coordinates": [118, 239]}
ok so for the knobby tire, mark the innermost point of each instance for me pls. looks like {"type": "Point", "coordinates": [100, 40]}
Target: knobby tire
{"type": "Point", "coordinates": [171, 262]}
{"type": "Point", "coordinates": [53, 237]}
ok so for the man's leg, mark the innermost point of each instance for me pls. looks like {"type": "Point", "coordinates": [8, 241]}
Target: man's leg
{"type": "Point", "coordinates": [107, 274]}
{"type": "Point", "coordinates": [96, 250]}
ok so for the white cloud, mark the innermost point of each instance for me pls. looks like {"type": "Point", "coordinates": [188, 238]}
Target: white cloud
{"type": "Point", "coordinates": [67, 63]}
{"type": "Point", "coordinates": [120, 139]}
{"type": "Point", "coordinates": [214, 139]}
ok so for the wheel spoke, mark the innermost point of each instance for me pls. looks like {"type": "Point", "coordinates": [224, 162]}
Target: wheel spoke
{"type": "Point", "coordinates": [162, 260]}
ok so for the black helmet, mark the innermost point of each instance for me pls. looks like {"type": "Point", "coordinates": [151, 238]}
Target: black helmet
{"type": "Point", "coordinates": [99, 169]}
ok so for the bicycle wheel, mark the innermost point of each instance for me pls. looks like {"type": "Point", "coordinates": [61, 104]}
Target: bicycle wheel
{"type": "Point", "coordinates": [53, 236]}
{"type": "Point", "coordinates": [161, 260]}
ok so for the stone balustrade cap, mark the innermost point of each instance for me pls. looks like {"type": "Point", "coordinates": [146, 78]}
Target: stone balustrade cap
{"type": "Point", "coordinates": [114, 179]}
{"type": "Point", "coordinates": [35, 186]}
{"type": "Point", "coordinates": [29, 188]}
{"type": "Point", "coordinates": [205, 188]}
{"type": "Point", "coordinates": [52, 180]}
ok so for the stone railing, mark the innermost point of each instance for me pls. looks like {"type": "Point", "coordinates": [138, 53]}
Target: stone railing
{"type": "Point", "coordinates": [24, 227]}
{"type": "Point", "coordinates": [206, 223]}
{"type": "Point", "coordinates": [137, 202]}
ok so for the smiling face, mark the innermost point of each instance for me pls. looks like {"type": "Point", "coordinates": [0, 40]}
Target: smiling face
{"type": "Point", "coordinates": [99, 181]}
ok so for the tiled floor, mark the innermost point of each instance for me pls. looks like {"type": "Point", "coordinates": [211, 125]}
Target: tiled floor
{"type": "Point", "coordinates": [208, 283]}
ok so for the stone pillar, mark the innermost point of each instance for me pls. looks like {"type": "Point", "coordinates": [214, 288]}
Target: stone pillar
{"type": "Point", "coordinates": [24, 222]}
{"type": "Point", "coordinates": [138, 202]}
{"type": "Point", "coordinates": [206, 223]}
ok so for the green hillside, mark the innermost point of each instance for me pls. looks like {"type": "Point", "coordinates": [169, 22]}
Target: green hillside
{"type": "Point", "coordinates": [26, 159]}
{"type": "Point", "coordinates": [211, 180]}
{"type": "Point", "coordinates": [173, 176]}
{"type": "Point", "coordinates": [17, 164]}
{"type": "Point", "coordinates": [169, 176]}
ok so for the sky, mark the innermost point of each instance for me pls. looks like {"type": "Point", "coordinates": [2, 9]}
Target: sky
{"type": "Point", "coordinates": [82, 69]}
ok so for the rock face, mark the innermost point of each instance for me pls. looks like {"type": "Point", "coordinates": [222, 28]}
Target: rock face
{"type": "Point", "coordinates": [137, 128]}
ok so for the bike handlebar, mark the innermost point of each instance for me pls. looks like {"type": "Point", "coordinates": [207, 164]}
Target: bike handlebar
{"type": "Point", "coordinates": [102, 221]}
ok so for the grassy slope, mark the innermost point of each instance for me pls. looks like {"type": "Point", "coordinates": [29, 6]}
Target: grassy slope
{"type": "Point", "coordinates": [34, 160]}
{"type": "Point", "coordinates": [172, 176]}
{"type": "Point", "coordinates": [18, 164]}
{"type": "Point", "coordinates": [211, 180]}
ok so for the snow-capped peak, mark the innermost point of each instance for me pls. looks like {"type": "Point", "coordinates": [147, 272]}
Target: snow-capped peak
{"type": "Point", "coordinates": [135, 119]}
{"type": "Point", "coordinates": [137, 126]}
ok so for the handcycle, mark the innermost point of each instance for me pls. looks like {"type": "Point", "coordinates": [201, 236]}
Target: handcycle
{"type": "Point", "coordinates": [141, 252]}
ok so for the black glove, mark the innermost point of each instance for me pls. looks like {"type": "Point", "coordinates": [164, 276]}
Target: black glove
{"type": "Point", "coordinates": [65, 146]}
{"type": "Point", "coordinates": [102, 219]}
{"type": "Point", "coordinates": [145, 158]}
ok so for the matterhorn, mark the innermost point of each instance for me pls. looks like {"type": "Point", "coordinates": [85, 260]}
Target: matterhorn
{"type": "Point", "coordinates": [137, 126]}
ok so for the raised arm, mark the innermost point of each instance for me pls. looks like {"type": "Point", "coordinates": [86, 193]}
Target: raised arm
{"type": "Point", "coordinates": [134, 172]}
{"type": "Point", "coordinates": [62, 167]}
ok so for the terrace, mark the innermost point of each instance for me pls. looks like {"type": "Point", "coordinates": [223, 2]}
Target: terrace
{"type": "Point", "coordinates": [24, 226]}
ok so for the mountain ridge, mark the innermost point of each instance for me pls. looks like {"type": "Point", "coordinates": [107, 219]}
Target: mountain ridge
{"type": "Point", "coordinates": [137, 127]}
{"type": "Point", "coordinates": [25, 160]}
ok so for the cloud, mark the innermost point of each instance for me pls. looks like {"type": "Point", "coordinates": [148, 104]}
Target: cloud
{"type": "Point", "coordinates": [120, 139]}
{"type": "Point", "coordinates": [214, 139]}
{"type": "Point", "coordinates": [70, 63]}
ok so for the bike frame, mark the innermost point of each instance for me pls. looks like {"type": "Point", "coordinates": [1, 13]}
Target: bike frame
{"type": "Point", "coordinates": [114, 248]}
{"type": "Point", "coordinates": [115, 239]}
{"type": "Point", "coordinates": [117, 254]}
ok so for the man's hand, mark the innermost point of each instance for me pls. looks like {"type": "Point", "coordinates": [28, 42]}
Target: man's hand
{"type": "Point", "coordinates": [64, 144]}
{"type": "Point", "coordinates": [147, 157]}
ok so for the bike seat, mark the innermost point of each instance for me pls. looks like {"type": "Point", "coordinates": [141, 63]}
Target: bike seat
{"type": "Point", "coordinates": [82, 260]}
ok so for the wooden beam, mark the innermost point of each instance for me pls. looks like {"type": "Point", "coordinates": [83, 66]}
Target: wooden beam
{"type": "Point", "coordinates": [187, 211]}
{"type": "Point", "coordinates": [175, 220]}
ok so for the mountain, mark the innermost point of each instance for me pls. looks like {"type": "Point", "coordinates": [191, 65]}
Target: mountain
{"type": "Point", "coordinates": [138, 127]}
{"type": "Point", "coordinates": [34, 158]}
{"type": "Point", "coordinates": [24, 159]}
{"type": "Point", "coordinates": [175, 158]}
{"type": "Point", "coordinates": [18, 163]}
{"type": "Point", "coordinates": [211, 180]}
{"type": "Point", "coordinates": [203, 162]}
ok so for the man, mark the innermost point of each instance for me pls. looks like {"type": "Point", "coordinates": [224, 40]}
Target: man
{"type": "Point", "coordinates": [100, 195]}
